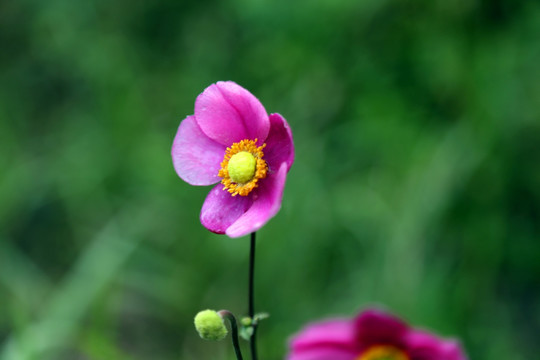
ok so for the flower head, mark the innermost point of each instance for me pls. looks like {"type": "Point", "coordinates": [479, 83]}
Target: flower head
{"type": "Point", "coordinates": [372, 335]}
{"type": "Point", "coordinates": [209, 325]}
{"type": "Point", "coordinates": [231, 140]}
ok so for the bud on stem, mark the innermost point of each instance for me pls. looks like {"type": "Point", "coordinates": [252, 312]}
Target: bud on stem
{"type": "Point", "coordinates": [210, 326]}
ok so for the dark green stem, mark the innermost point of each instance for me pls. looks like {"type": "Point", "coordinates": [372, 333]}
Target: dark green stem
{"type": "Point", "coordinates": [234, 332]}
{"type": "Point", "coordinates": [252, 339]}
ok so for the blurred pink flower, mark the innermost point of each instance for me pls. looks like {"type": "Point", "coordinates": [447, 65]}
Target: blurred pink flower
{"type": "Point", "coordinates": [231, 139]}
{"type": "Point", "coordinates": [372, 335]}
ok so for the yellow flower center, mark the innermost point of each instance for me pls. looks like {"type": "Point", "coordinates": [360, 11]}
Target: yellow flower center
{"type": "Point", "coordinates": [242, 167]}
{"type": "Point", "coordinates": [383, 352]}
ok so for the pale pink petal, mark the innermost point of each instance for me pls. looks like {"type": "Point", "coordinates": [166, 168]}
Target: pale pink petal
{"type": "Point", "coordinates": [425, 346]}
{"type": "Point", "coordinates": [279, 143]}
{"type": "Point", "coordinates": [228, 113]}
{"type": "Point", "coordinates": [266, 203]}
{"type": "Point", "coordinates": [221, 209]}
{"type": "Point", "coordinates": [377, 327]}
{"type": "Point", "coordinates": [196, 158]}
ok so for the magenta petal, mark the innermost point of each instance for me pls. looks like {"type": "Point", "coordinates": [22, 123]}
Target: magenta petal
{"type": "Point", "coordinates": [221, 209]}
{"type": "Point", "coordinates": [338, 333]}
{"type": "Point", "coordinates": [266, 203]}
{"type": "Point", "coordinates": [196, 157]}
{"type": "Point", "coordinates": [279, 143]}
{"type": "Point", "coordinates": [228, 113]}
{"type": "Point", "coordinates": [424, 346]}
{"type": "Point", "coordinates": [323, 354]}
{"type": "Point", "coordinates": [331, 339]}
{"type": "Point", "coordinates": [377, 327]}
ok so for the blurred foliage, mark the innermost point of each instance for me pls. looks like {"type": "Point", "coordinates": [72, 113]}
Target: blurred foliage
{"type": "Point", "coordinates": [416, 183]}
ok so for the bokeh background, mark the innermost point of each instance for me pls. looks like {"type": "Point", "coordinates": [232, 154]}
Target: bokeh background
{"type": "Point", "coordinates": [416, 184]}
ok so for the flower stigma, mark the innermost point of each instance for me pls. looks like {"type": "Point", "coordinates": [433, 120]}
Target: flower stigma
{"type": "Point", "coordinates": [383, 352]}
{"type": "Point", "coordinates": [242, 167]}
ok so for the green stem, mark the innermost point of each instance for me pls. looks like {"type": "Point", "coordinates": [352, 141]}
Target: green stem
{"type": "Point", "coordinates": [234, 331]}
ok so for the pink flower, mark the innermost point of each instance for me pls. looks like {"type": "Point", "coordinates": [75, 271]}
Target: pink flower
{"type": "Point", "coordinates": [372, 335]}
{"type": "Point", "coordinates": [232, 140]}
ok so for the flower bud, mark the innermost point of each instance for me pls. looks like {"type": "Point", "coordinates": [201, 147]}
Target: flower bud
{"type": "Point", "coordinates": [210, 326]}
{"type": "Point", "coordinates": [246, 321]}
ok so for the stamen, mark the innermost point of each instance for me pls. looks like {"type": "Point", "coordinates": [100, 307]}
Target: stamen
{"type": "Point", "coordinates": [383, 352]}
{"type": "Point", "coordinates": [242, 175]}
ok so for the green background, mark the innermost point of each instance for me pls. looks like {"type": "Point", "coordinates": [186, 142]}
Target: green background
{"type": "Point", "coordinates": [416, 184]}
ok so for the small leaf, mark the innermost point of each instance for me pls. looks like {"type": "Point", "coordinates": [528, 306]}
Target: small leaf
{"type": "Point", "coordinates": [260, 316]}
{"type": "Point", "coordinates": [246, 332]}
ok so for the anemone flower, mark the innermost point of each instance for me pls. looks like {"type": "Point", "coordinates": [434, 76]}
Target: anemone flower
{"type": "Point", "coordinates": [231, 140]}
{"type": "Point", "coordinates": [372, 335]}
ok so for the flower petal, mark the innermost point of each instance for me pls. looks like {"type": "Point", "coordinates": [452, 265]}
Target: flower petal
{"type": "Point", "coordinates": [377, 327]}
{"type": "Point", "coordinates": [424, 346]}
{"type": "Point", "coordinates": [196, 158]}
{"type": "Point", "coordinates": [279, 143]}
{"type": "Point", "coordinates": [330, 335]}
{"type": "Point", "coordinates": [323, 354]}
{"type": "Point", "coordinates": [221, 209]}
{"type": "Point", "coordinates": [228, 113]}
{"type": "Point", "coordinates": [266, 203]}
